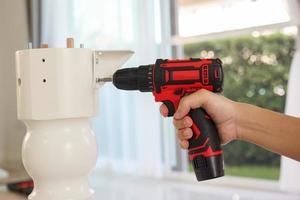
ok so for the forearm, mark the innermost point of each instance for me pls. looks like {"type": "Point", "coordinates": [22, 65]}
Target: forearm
{"type": "Point", "coordinates": [273, 131]}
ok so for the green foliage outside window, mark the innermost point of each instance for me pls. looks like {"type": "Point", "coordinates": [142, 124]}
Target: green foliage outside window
{"type": "Point", "coordinates": [256, 71]}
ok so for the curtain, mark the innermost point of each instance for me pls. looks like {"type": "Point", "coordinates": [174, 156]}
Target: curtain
{"type": "Point", "coordinates": [290, 169]}
{"type": "Point", "coordinates": [128, 127]}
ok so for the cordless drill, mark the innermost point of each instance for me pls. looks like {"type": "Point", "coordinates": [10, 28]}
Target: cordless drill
{"type": "Point", "coordinates": [169, 81]}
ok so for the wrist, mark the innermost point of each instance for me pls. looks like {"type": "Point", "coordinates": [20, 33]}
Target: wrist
{"type": "Point", "coordinates": [239, 114]}
{"type": "Point", "coordinates": [247, 120]}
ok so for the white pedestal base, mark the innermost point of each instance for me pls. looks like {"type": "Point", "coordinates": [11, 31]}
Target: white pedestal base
{"type": "Point", "coordinates": [57, 92]}
{"type": "Point", "coordinates": [59, 155]}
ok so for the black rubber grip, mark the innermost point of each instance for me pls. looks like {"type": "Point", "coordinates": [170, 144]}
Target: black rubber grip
{"type": "Point", "coordinates": [204, 147]}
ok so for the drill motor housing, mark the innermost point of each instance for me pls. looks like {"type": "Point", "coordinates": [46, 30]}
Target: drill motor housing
{"type": "Point", "coordinates": [175, 78]}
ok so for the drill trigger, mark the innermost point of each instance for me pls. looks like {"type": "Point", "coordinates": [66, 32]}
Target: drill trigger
{"type": "Point", "coordinates": [171, 108]}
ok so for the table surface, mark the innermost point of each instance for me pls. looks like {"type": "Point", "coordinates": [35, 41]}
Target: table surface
{"type": "Point", "coordinates": [5, 195]}
{"type": "Point", "coordinates": [113, 187]}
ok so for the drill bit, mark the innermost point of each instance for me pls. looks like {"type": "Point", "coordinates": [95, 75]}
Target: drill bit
{"type": "Point", "coordinates": [103, 80]}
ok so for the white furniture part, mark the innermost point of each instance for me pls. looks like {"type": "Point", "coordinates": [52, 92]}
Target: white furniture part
{"type": "Point", "coordinates": [57, 94]}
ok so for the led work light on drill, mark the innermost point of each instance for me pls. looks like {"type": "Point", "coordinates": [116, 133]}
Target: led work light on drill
{"type": "Point", "coordinates": [169, 81]}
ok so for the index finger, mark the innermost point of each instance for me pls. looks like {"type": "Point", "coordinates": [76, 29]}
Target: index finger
{"type": "Point", "coordinates": [164, 110]}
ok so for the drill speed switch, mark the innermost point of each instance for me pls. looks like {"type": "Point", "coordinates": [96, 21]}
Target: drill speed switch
{"type": "Point", "coordinates": [169, 81]}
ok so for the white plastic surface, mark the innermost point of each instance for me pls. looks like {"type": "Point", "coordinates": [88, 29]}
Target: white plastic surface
{"type": "Point", "coordinates": [55, 84]}
{"type": "Point", "coordinates": [59, 155]}
{"type": "Point", "coordinates": [56, 96]}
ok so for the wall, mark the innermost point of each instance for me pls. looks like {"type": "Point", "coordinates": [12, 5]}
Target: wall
{"type": "Point", "coordinates": [13, 36]}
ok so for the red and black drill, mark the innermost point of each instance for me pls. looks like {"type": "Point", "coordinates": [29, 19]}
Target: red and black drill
{"type": "Point", "coordinates": [169, 81]}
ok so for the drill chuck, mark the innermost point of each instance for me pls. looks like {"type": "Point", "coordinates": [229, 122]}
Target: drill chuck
{"type": "Point", "coordinates": [138, 78]}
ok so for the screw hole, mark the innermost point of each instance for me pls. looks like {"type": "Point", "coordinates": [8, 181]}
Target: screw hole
{"type": "Point", "coordinates": [19, 81]}
{"type": "Point", "coordinates": [44, 80]}
{"type": "Point", "coordinates": [44, 60]}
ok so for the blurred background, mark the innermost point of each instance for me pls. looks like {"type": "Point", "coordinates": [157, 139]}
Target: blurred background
{"type": "Point", "coordinates": [139, 158]}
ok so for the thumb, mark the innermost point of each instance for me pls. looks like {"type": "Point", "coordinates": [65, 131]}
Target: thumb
{"type": "Point", "coordinates": [192, 101]}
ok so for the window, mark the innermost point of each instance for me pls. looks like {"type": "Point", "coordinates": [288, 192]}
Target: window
{"type": "Point", "coordinates": [256, 72]}
{"type": "Point", "coordinates": [132, 136]}
{"type": "Point", "coordinates": [256, 63]}
{"type": "Point", "coordinates": [128, 126]}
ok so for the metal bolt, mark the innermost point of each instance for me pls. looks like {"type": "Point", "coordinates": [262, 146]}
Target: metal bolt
{"type": "Point", "coordinates": [106, 79]}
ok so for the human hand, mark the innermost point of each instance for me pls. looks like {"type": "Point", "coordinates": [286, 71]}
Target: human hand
{"type": "Point", "coordinates": [220, 109]}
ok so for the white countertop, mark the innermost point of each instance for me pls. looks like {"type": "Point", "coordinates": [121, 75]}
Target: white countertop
{"type": "Point", "coordinates": [114, 187]}
{"type": "Point", "coordinates": [5, 195]}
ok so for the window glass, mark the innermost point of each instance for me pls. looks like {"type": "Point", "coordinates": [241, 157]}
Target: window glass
{"type": "Point", "coordinates": [198, 17]}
